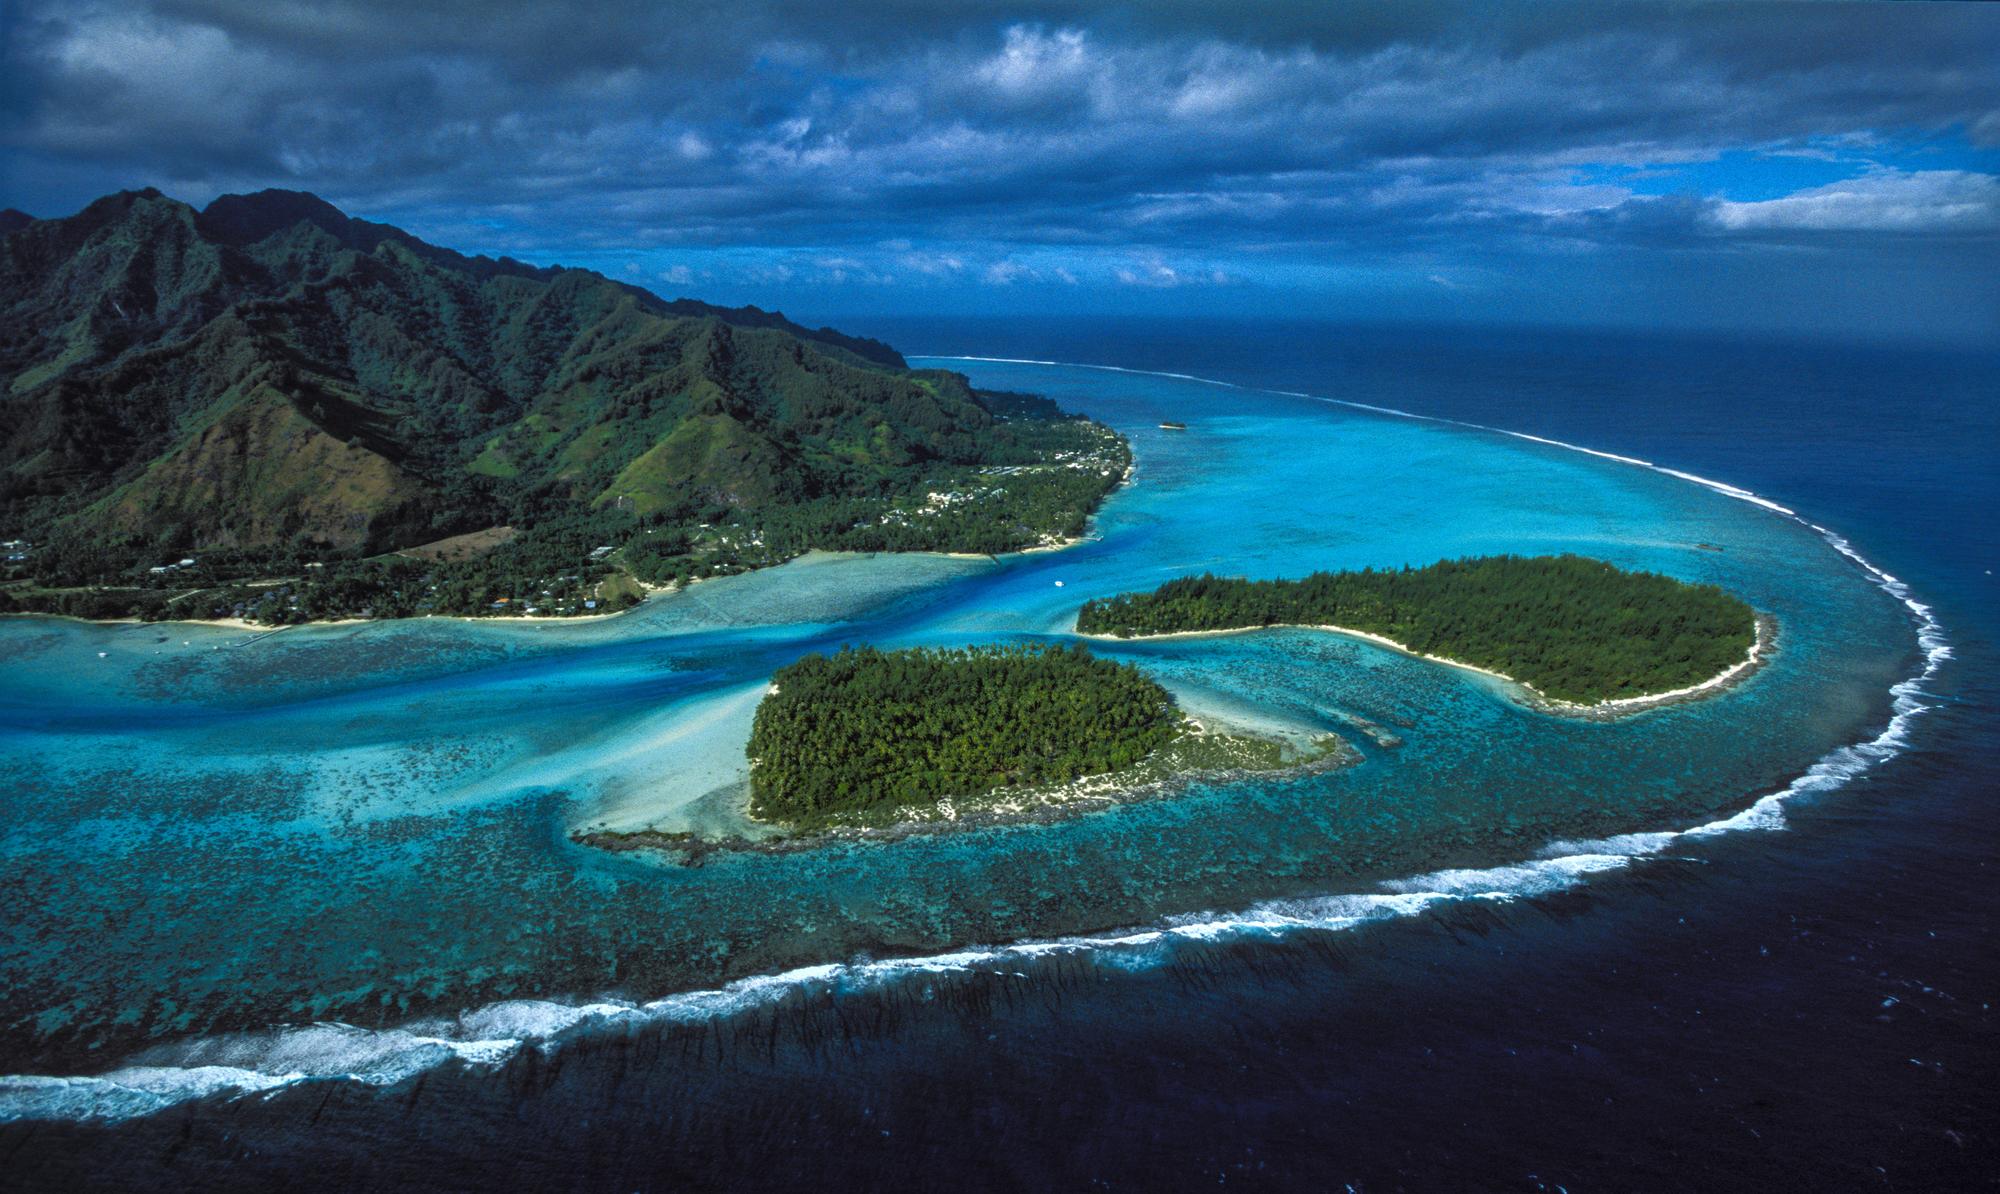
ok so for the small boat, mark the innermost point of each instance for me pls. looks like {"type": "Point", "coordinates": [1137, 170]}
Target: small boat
{"type": "Point", "coordinates": [1058, 584]}
{"type": "Point", "coordinates": [1173, 426]}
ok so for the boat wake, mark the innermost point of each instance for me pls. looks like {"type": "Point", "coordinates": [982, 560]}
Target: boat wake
{"type": "Point", "coordinates": [248, 1064]}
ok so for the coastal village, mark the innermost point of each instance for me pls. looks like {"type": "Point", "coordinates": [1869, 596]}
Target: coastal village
{"type": "Point", "coordinates": [474, 575]}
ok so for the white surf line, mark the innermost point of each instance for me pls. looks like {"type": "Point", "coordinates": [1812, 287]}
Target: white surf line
{"type": "Point", "coordinates": [1930, 632]}
{"type": "Point", "coordinates": [254, 1063]}
{"type": "Point", "coordinates": [1832, 770]}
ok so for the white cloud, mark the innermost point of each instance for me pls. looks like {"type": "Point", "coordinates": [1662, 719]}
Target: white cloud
{"type": "Point", "coordinates": [1158, 275]}
{"type": "Point", "coordinates": [1035, 63]}
{"type": "Point", "coordinates": [1885, 201]}
{"type": "Point", "coordinates": [931, 265]}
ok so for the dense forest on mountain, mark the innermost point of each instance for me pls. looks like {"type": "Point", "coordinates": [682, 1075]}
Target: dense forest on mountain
{"type": "Point", "coordinates": [1573, 628]}
{"type": "Point", "coordinates": [866, 729]}
{"type": "Point", "coordinates": [268, 383]}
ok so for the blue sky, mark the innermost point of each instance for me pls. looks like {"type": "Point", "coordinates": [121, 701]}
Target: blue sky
{"type": "Point", "coordinates": [1819, 168]}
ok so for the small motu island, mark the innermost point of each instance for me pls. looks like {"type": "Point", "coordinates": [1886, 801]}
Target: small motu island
{"type": "Point", "coordinates": [869, 737]}
{"type": "Point", "coordinates": [1574, 630]}
{"type": "Point", "coordinates": [865, 728]}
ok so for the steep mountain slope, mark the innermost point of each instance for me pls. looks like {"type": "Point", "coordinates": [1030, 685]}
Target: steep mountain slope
{"type": "Point", "coordinates": [271, 377]}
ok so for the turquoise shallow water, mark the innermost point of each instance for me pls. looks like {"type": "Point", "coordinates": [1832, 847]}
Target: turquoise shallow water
{"type": "Point", "coordinates": [207, 836]}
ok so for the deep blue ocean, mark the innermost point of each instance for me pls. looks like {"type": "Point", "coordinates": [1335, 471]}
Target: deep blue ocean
{"type": "Point", "coordinates": [1809, 1007]}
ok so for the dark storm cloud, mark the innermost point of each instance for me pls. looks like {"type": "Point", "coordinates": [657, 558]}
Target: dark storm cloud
{"type": "Point", "coordinates": [1029, 141]}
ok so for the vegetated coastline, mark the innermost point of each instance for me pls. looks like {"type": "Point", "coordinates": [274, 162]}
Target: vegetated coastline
{"type": "Point", "coordinates": [612, 583]}
{"type": "Point", "coordinates": [1755, 657]}
{"type": "Point", "coordinates": [270, 412]}
{"type": "Point", "coordinates": [865, 729]}
{"type": "Point", "coordinates": [646, 592]}
{"type": "Point", "coordinates": [1577, 635]}
{"type": "Point", "coordinates": [868, 744]}
{"type": "Point", "coordinates": [1201, 754]}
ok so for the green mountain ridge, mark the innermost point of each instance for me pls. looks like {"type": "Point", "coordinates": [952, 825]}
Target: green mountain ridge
{"type": "Point", "coordinates": [270, 375]}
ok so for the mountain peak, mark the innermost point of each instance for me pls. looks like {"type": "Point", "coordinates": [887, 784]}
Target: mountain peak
{"type": "Point", "coordinates": [241, 221]}
{"type": "Point", "coordinates": [244, 219]}
{"type": "Point", "coordinates": [271, 376]}
{"type": "Point", "coordinates": [118, 203]}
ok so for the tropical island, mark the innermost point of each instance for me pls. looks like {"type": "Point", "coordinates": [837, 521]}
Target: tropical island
{"type": "Point", "coordinates": [267, 410]}
{"type": "Point", "coordinates": [870, 737]}
{"type": "Point", "coordinates": [1573, 630]}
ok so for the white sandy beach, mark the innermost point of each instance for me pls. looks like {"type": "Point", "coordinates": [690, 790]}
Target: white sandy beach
{"type": "Point", "coordinates": [1751, 659]}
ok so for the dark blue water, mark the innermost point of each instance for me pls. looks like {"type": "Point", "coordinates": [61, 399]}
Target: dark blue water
{"type": "Point", "coordinates": [1810, 1009]}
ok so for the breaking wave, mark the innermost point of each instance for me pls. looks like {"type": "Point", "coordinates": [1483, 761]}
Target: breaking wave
{"type": "Point", "coordinates": [247, 1064]}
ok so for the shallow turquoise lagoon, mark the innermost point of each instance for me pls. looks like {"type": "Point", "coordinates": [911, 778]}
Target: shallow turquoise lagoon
{"type": "Point", "coordinates": [206, 836]}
